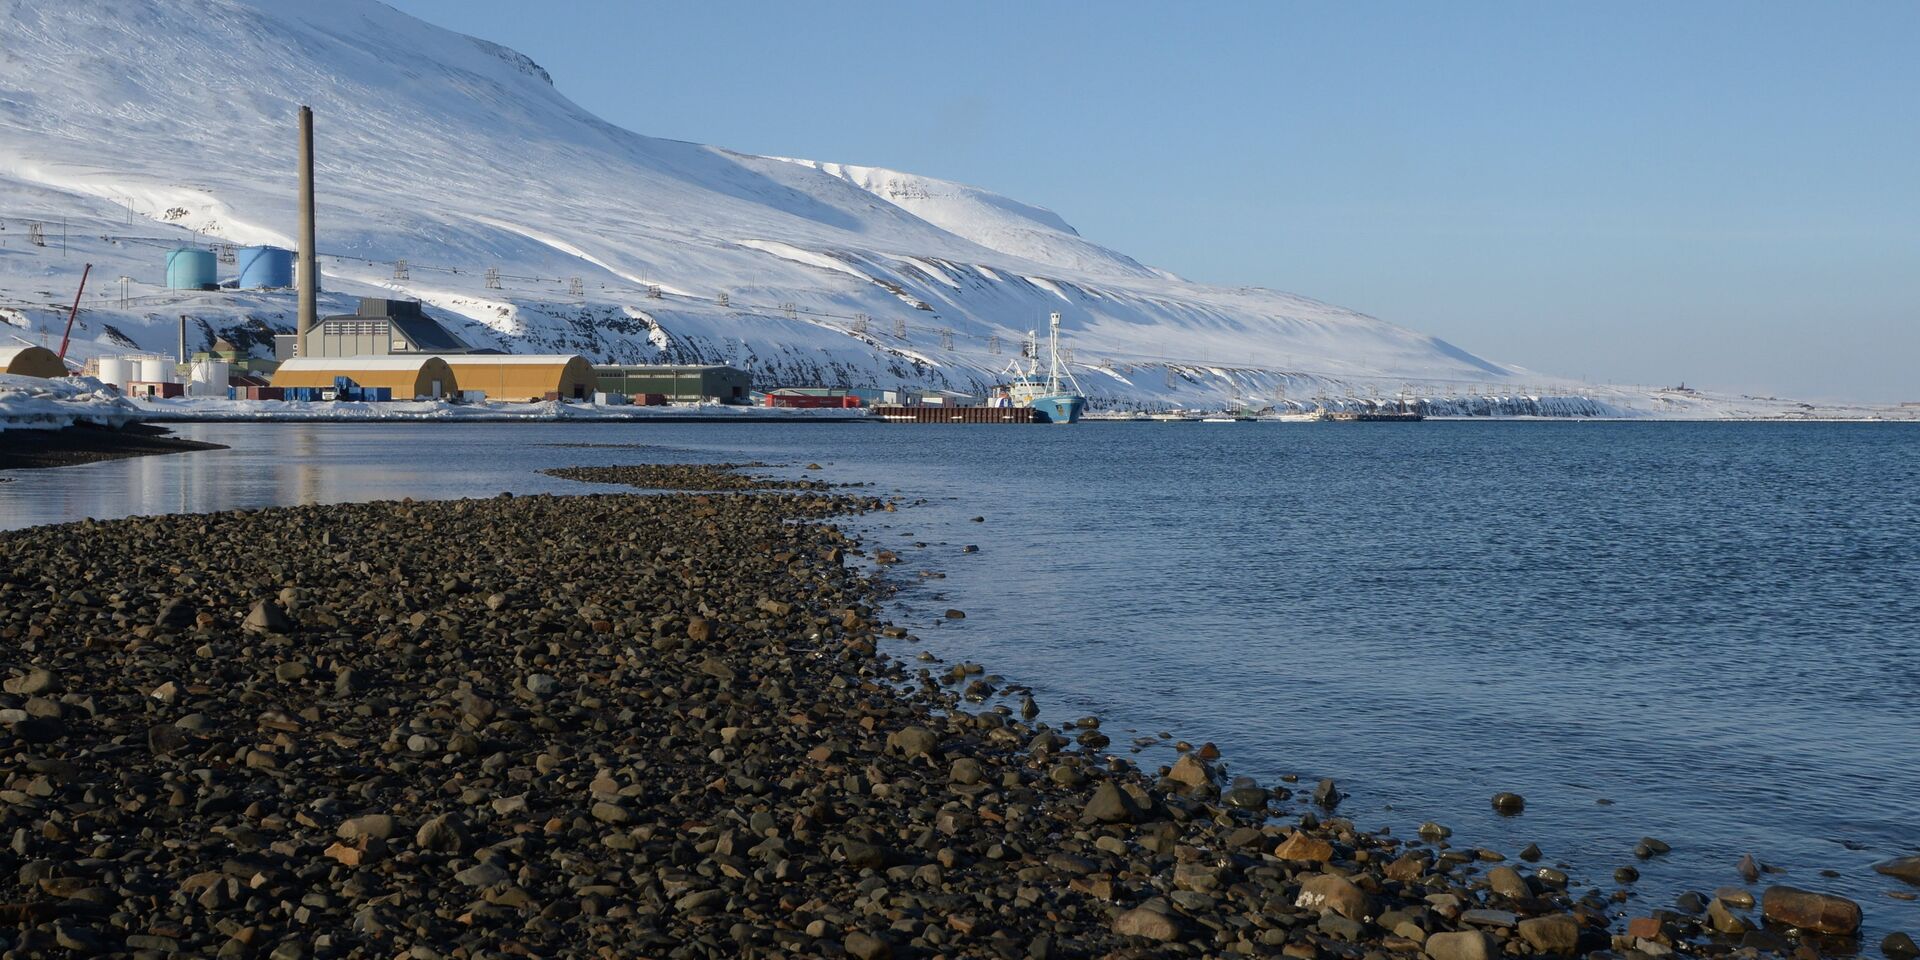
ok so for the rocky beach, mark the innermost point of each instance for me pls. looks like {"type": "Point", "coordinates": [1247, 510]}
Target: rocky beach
{"type": "Point", "coordinates": [670, 725]}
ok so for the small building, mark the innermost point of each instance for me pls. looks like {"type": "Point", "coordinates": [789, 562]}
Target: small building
{"type": "Point", "coordinates": [679, 384]}
{"type": "Point", "coordinates": [156, 390]}
{"type": "Point", "coordinates": [31, 362]}
{"type": "Point", "coordinates": [940, 398]}
{"type": "Point", "coordinates": [381, 327]}
{"type": "Point", "coordinates": [239, 361]}
{"type": "Point", "coordinates": [511, 376]}
{"type": "Point", "coordinates": [409, 377]}
{"type": "Point", "coordinates": [814, 397]}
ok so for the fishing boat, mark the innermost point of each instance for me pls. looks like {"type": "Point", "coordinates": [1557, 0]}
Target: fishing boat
{"type": "Point", "coordinates": [1056, 397]}
{"type": "Point", "coordinates": [1376, 416]}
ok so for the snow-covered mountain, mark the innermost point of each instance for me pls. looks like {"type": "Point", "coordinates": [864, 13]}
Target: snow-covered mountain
{"type": "Point", "coordinates": [130, 126]}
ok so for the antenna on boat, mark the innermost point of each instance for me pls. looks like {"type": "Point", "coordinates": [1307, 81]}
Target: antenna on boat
{"type": "Point", "coordinates": [1056, 368]}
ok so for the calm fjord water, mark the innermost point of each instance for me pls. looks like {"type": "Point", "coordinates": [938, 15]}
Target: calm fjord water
{"type": "Point", "coordinates": [1707, 633]}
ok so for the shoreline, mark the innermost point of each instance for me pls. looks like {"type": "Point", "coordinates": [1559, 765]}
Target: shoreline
{"type": "Point", "coordinates": [82, 443]}
{"type": "Point", "coordinates": [691, 688]}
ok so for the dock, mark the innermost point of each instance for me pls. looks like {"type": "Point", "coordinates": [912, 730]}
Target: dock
{"type": "Point", "coordinates": [1375, 416]}
{"type": "Point", "coordinates": [937, 414]}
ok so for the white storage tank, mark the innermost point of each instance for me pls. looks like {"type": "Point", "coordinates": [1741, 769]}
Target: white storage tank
{"type": "Point", "coordinates": [115, 371]}
{"type": "Point", "coordinates": [210, 378]}
{"type": "Point", "coordinates": [156, 370]}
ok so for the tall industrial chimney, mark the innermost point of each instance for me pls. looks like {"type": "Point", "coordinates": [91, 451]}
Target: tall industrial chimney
{"type": "Point", "coordinates": [309, 261]}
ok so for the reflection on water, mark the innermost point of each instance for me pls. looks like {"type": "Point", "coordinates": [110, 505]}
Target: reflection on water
{"type": "Point", "coordinates": [292, 464]}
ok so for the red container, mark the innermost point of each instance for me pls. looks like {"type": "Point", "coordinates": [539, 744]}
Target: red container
{"type": "Point", "coordinates": [810, 401]}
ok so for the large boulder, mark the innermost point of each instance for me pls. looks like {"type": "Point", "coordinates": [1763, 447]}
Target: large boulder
{"type": "Point", "coordinates": [1807, 910]}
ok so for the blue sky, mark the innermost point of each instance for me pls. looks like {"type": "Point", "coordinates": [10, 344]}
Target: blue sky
{"type": "Point", "coordinates": [1725, 193]}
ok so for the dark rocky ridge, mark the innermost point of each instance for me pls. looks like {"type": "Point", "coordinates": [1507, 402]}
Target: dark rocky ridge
{"type": "Point", "coordinates": [87, 443]}
{"type": "Point", "coordinates": [625, 725]}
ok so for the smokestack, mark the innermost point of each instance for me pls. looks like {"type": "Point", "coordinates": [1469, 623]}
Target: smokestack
{"type": "Point", "coordinates": [309, 261]}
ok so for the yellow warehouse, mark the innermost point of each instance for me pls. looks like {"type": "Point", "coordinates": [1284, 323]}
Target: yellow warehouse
{"type": "Point", "coordinates": [507, 376]}
{"type": "Point", "coordinates": [41, 362]}
{"type": "Point", "coordinates": [409, 377]}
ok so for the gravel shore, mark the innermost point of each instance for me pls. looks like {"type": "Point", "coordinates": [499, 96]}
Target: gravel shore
{"type": "Point", "coordinates": [657, 726]}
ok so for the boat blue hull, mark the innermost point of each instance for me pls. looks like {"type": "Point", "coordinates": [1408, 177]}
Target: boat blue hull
{"type": "Point", "coordinates": [1059, 407]}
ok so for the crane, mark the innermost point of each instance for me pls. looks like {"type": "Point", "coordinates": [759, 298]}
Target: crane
{"type": "Point", "coordinates": [75, 312]}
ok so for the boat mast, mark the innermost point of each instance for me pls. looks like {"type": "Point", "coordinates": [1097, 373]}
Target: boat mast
{"type": "Point", "coordinates": [1053, 353]}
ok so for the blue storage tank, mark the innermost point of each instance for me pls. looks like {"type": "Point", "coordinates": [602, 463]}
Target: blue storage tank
{"type": "Point", "coordinates": [262, 267]}
{"type": "Point", "coordinates": [191, 268]}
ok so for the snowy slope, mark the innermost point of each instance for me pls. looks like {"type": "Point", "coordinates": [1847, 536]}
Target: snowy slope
{"type": "Point", "coordinates": [128, 127]}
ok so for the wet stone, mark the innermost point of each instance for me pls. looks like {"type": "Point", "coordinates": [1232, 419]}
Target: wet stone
{"type": "Point", "coordinates": [1808, 910]}
{"type": "Point", "coordinates": [1899, 946]}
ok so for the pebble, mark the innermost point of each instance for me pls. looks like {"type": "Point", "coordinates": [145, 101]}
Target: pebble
{"type": "Point", "coordinates": [267, 617]}
{"type": "Point", "coordinates": [1507, 882]}
{"type": "Point", "coordinates": [1462, 945]}
{"type": "Point", "coordinates": [865, 946]}
{"type": "Point", "coordinates": [1303, 847]}
{"type": "Point", "coordinates": [1554, 935]}
{"type": "Point", "coordinates": [1724, 920]}
{"type": "Point", "coordinates": [1509, 804]}
{"type": "Point", "coordinates": [1110, 804]}
{"type": "Point", "coordinates": [1336, 894]}
{"type": "Point", "coordinates": [36, 680]}
{"type": "Point", "coordinates": [1738, 897]}
{"type": "Point", "coordinates": [1148, 923]}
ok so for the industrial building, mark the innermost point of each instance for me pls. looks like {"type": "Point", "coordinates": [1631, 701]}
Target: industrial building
{"type": "Point", "coordinates": [510, 376]}
{"type": "Point", "coordinates": [382, 327]}
{"type": "Point", "coordinates": [409, 377]}
{"type": "Point", "coordinates": [814, 397]}
{"type": "Point", "coordinates": [31, 362]}
{"type": "Point", "coordinates": [679, 384]}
